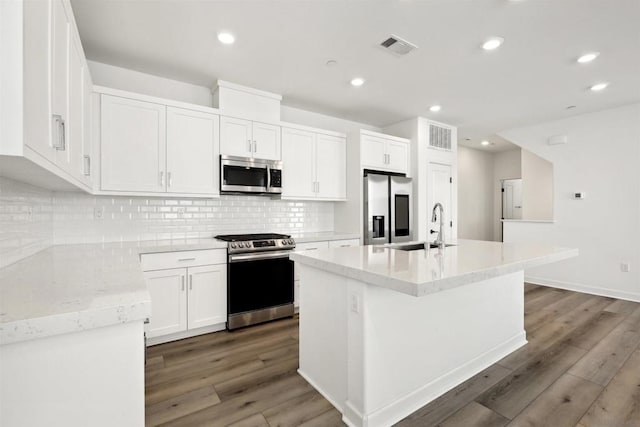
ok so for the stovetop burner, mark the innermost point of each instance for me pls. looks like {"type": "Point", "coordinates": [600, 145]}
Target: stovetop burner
{"type": "Point", "coordinates": [248, 237]}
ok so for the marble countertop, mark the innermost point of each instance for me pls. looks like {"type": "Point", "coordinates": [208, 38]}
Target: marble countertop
{"type": "Point", "coordinates": [70, 288]}
{"type": "Point", "coordinates": [423, 272]}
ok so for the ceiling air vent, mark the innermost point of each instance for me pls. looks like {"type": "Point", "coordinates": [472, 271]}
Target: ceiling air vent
{"type": "Point", "coordinates": [398, 45]}
{"type": "Point", "coordinates": [439, 137]}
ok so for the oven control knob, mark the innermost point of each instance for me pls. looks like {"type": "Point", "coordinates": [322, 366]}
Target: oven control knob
{"type": "Point", "coordinates": [247, 244]}
{"type": "Point", "coordinates": [233, 245]}
{"type": "Point", "coordinates": [241, 245]}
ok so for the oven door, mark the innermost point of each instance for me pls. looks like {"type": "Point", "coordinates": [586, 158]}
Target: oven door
{"type": "Point", "coordinates": [259, 287]}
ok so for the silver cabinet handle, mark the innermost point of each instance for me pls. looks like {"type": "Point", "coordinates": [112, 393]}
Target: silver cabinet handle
{"type": "Point", "coordinates": [168, 179]}
{"type": "Point", "coordinates": [255, 146]}
{"type": "Point", "coordinates": [384, 160]}
{"type": "Point", "coordinates": [182, 279]}
{"type": "Point", "coordinates": [59, 143]}
{"type": "Point", "coordinates": [161, 178]}
{"type": "Point", "coordinates": [249, 145]}
{"type": "Point", "coordinates": [313, 186]}
{"type": "Point", "coordinates": [345, 246]}
{"type": "Point", "coordinates": [388, 159]}
{"type": "Point", "coordinates": [311, 249]}
{"type": "Point", "coordinates": [318, 184]}
{"type": "Point", "coordinates": [190, 281]}
{"type": "Point", "coordinates": [186, 259]}
{"type": "Point", "coordinates": [87, 165]}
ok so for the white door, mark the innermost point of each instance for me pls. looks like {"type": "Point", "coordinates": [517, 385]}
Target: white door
{"type": "Point", "coordinates": [235, 137]}
{"type": "Point", "coordinates": [207, 300]}
{"type": "Point", "coordinates": [397, 156]}
{"type": "Point", "coordinates": [512, 199]}
{"type": "Point", "coordinates": [192, 152]}
{"type": "Point", "coordinates": [440, 191]}
{"type": "Point", "coordinates": [168, 290]}
{"type": "Point", "coordinates": [74, 163]}
{"type": "Point", "coordinates": [331, 167]}
{"type": "Point", "coordinates": [133, 145]}
{"type": "Point", "coordinates": [372, 152]}
{"type": "Point", "coordinates": [298, 164]}
{"type": "Point", "coordinates": [60, 44]}
{"type": "Point", "coordinates": [266, 141]}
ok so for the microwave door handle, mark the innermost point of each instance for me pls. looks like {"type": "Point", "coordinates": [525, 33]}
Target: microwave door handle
{"type": "Point", "coordinates": [268, 177]}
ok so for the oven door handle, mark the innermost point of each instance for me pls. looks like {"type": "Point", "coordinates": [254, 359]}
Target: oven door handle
{"type": "Point", "coordinates": [254, 257]}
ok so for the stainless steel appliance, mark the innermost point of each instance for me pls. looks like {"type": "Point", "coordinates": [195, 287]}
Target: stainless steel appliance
{"type": "Point", "coordinates": [246, 175]}
{"type": "Point", "coordinates": [387, 208]}
{"type": "Point", "coordinates": [259, 278]}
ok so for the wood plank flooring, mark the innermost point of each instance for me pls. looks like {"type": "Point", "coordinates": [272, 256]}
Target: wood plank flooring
{"type": "Point", "coordinates": [581, 367]}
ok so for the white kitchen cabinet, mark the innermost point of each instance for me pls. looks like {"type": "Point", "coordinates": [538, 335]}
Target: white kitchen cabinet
{"type": "Point", "coordinates": [168, 301]}
{"type": "Point", "coordinates": [207, 295]}
{"type": "Point", "coordinates": [303, 247]}
{"type": "Point", "coordinates": [60, 49]}
{"type": "Point", "coordinates": [384, 154]}
{"type": "Point", "coordinates": [192, 151]}
{"type": "Point", "coordinates": [299, 163]}
{"type": "Point", "coordinates": [245, 138]}
{"type": "Point", "coordinates": [331, 167]}
{"type": "Point", "coordinates": [132, 141]}
{"type": "Point", "coordinates": [189, 300]}
{"type": "Point", "coordinates": [314, 165]}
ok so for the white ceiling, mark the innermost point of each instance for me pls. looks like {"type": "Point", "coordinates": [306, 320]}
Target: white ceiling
{"type": "Point", "coordinates": [282, 46]}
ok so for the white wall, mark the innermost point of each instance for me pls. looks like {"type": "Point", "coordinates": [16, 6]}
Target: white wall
{"type": "Point", "coordinates": [26, 220]}
{"type": "Point", "coordinates": [506, 165]}
{"type": "Point", "coordinates": [537, 187]}
{"type": "Point", "coordinates": [602, 158]}
{"type": "Point", "coordinates": [475, 188]}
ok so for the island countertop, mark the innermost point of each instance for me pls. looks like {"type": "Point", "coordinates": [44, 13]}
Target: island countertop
{"type": "Point", "coordinates": [424, 272]}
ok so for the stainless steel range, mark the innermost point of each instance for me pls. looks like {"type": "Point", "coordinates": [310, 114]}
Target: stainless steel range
{"type": "Point", "coordinates": [259, 278]}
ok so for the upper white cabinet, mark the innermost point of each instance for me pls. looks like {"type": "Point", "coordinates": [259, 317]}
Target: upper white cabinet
{"type": "Point", "coordinates": [246, 138]}
{"type": "Point", "coordinates": [45, 60]}
{"type": "Point", "coordinates": [192, 151]}
{"type": "Point", "coordinates": [132, 141]}
{"type": "Point", "coordinates": [150, 148]}
{"type": "Point", "coordinates": [314, 165]}
{"type": "Point", "coordinates": [385, 154]}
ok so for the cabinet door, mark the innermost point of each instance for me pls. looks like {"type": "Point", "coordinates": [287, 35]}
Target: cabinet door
{"type": "Point", "coordinates": [266, 141]}
{"type": "Point", "coordinates": [397, 156]}
{"type": "Point", "coordinates": [192, 152]}
{"type": "Point", "coordinates": [235, 137]}
{"type": "Point", "coordinates": [207, 299]}
{"type": "Point", "coordinates": [372, 152]}
{"type": "Point", "coordinates": [168, 290]}
{"type": "Point", "coordinates": [331, 166]}
{"type": "Point", "coordinates": [60, 46]}
{"type": "Point", "coordinates": [298, 164]}
{"type": "Point", "coordinates": [74, 152]}
{"type": "Point", "coordinates": [132, 145]}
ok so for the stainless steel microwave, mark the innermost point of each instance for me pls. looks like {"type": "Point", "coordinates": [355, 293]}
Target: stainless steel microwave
{"type": "Point", "coordinates": [246, 175]}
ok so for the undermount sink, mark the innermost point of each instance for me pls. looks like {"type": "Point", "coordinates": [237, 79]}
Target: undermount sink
{"type": "Point", "coordinates": [419, 246]}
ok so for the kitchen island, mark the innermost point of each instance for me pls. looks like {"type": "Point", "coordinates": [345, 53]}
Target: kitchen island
{"type": "Point", "coordinates": [384, 331]}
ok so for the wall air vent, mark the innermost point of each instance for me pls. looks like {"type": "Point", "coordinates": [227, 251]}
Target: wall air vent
{"type": "Point", "coordinates": [398, 45]}
{"type": "Point", "coordinates": [439, 137]}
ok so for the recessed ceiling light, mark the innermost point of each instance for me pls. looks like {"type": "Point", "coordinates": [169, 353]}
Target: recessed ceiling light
{"type": "Point", "coordinates": [588, 57]}
{"type": "Point", "coordinates": [357, 82]}
{"type": "Point", "coordinates": [492, 43]}
{"type": "Point", "coordinates": [599, 86]}
{"type": "Point", "coordinates": [226, 38]}
{"type": "Point", "coordinates": [435, 108]}
{"type": "Point", "coordinates": [485, 143]}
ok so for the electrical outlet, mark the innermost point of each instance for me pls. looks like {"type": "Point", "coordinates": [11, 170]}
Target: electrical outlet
{"type": "Point", "coordinates": [355, 304]}
{"type": "Point", "coordinates": [180, 212]}
{"type": "Point", "coordinates": [98, 212]}
{"type": "Point", "coordinates": [625, 267]}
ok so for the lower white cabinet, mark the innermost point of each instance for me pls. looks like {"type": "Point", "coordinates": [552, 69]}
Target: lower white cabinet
{"type": "Point", "coordinates": [185, 300]}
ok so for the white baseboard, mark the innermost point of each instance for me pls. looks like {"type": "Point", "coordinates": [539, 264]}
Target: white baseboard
{"type": "Point", "coordinates": [186, 334]}
{"type": "Point", "coordinates": [629, 296]}
{"type": "Point", "coordinates": [410, 403]}
{"type": "Point", "coordinates": [321, 391]}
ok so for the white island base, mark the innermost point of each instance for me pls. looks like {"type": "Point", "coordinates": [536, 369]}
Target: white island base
{"type": "Point", "coordinates": [378, 355]}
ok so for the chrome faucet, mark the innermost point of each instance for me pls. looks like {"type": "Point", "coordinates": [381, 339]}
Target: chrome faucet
{"type": "Point", "coordinates": [440, 239]}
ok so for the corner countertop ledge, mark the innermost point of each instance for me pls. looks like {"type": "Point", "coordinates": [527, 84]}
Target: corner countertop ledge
{"type": "Point", "coordinates": [70, 288]}
{"type": "Point", "coordinates": [424, 272]}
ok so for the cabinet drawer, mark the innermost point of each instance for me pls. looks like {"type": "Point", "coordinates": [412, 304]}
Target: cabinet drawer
{"type": "Point", "coordinates": [311, 246]}
{"type": "Point", "coordinates": [344, 243]}
{"type": "Point", "coordinates": [163, 260]}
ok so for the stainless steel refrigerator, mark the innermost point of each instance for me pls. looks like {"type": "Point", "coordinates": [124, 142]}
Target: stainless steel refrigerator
{"type": "Point", "coordinates": [387, 209]}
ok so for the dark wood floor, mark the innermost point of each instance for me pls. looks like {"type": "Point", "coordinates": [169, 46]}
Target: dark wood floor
{"type": "Point", "coordinates": [581, 367]}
